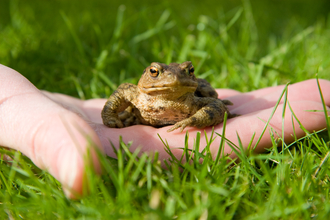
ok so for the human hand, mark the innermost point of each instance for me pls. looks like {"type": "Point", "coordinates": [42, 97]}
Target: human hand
{"type": "Point", "coordinates": [254, 108]}
{"type": "Point", "coordinates": [53, 130]}
{"type": "Point", "coordinates": [53, 137]}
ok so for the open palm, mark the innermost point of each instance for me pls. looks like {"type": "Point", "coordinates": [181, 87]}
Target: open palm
{"type": "Point", "coordinates": [55, 130]}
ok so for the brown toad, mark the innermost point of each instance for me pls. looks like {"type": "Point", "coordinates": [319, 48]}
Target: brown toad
{"type": "Point", "coordinates": [165, 95]}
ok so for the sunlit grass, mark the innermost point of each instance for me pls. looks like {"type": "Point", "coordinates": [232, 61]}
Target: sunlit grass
{"type": "Point", "coordinates": [88, 50]}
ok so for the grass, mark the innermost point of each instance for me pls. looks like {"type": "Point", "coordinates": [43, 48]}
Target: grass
{"type": "Point", "coordinates": [86, 49]}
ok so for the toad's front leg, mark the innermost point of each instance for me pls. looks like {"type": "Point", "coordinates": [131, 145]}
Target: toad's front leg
{"type": "Point", "coordinates": [211, 114]}
{"type": "Point", "coordinates": [118, 102]}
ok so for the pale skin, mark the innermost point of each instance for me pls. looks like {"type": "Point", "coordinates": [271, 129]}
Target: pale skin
{"type": "Point", "coordinates": [52, 129]}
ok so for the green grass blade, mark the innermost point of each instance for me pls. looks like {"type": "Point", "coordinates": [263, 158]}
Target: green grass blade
{"type": "Point", "coordinates": [324, 106]}
{"type": "Point", "coordinates": [270, 117]}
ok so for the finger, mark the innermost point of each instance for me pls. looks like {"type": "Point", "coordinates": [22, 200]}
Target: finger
{"type": "Point", "coordinates": [260, 99]}
{"type": "Point", "coordinates": [88, 109]}
{"type": "Point", "coordinates": [13, 83]}
{"type": "Point", "coordinates": [242, 98]}
{"type": "Point", "coordinates": [224, 93]}
{"type": "Point", "coordinates": [238, 99]}
{"type": "Point", "coordinates": [93, 108]}
{"type": "Point", "coordinates": [70, 103]}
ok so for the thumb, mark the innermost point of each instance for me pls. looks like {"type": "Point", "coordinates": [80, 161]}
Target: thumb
{"type": "Point", "coordinates": [54, 138]}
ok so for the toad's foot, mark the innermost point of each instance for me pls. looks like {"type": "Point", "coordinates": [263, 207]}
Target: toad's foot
{"type": "Point", "coordinates": [194, 123]}
{"type": "Point", "coordinates": [181, 124]}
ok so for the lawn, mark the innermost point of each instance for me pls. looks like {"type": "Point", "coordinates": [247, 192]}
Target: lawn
{"type": "Point", "coordinates": [87, 48]}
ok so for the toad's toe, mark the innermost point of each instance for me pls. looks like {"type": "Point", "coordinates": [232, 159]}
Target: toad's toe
{"type": "Point", "coordinates": [181, 124]}
{"type": "Point", "coordinates": [114, 123]}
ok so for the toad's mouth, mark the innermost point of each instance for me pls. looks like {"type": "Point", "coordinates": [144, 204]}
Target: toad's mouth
{"type": "Point", "coordinates": [169, 89]}
{"type": "Point", "coordinates": [182, 87]}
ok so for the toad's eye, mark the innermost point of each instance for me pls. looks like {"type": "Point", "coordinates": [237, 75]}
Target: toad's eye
{"type": "Point", "coordinates": [154, 72]}
{"type": "Point", "coordinates": [191, 70]}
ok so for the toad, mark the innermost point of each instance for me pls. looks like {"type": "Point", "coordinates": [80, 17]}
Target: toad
{"type": "Point", "coordinates": [165, 95]}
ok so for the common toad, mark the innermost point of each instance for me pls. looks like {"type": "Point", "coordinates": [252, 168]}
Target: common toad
{"type": "Point", "coordinates": [165, 95]}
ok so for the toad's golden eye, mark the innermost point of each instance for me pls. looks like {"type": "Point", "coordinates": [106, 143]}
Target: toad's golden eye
{"type": "Point", "coordinates": [191, 70]}
{"type": "Point", "coordinates": [154, 72]}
